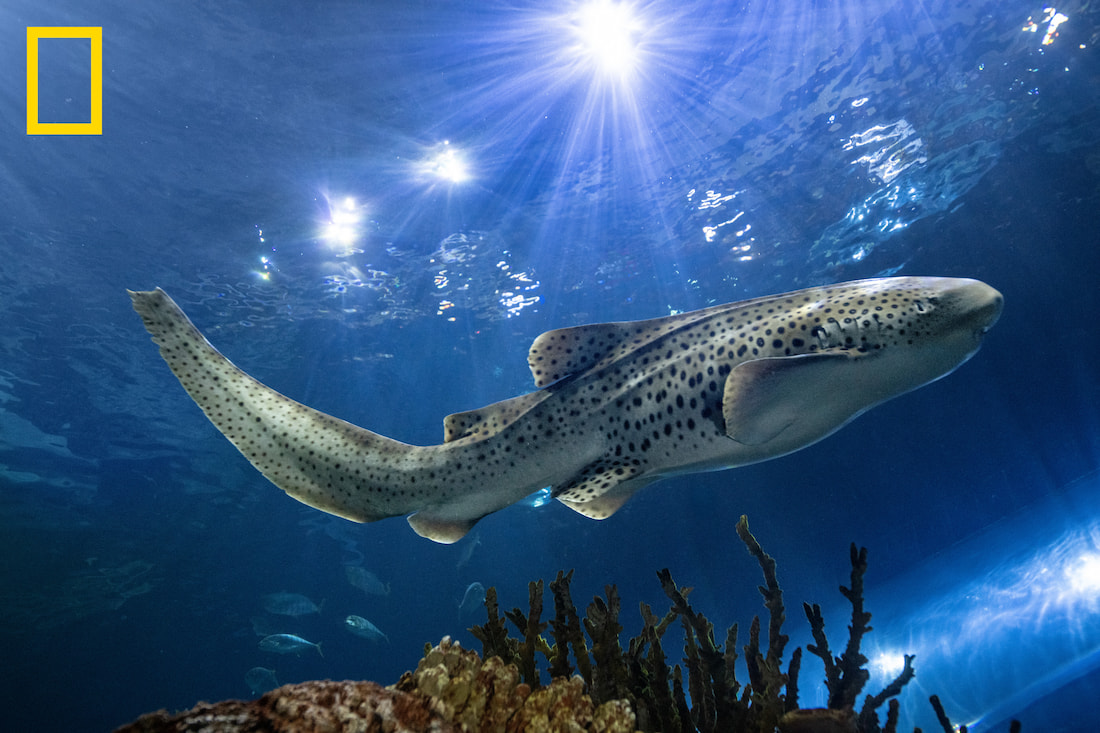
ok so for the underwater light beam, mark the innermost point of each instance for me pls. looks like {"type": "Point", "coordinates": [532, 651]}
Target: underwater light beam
{"type": "Point", "coordinates": [1009, 615]}
{"type": "Point", "coordinates": [609, 33]}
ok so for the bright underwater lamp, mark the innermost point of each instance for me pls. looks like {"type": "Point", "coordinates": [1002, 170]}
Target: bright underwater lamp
{"type": "Point", "coordinates": [608, 35]}
{"type": "Point", "coordinates": [1083, 575]}
{"type": "Point", "coordinates": [1000, 620]}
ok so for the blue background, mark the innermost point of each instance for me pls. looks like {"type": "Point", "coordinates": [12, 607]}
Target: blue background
{"type": "Point", "coordinates": [755, 149]}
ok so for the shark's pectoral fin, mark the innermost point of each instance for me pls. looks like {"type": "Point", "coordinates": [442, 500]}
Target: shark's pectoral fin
{"type": "Point", "coordinates": [438, 526]}
{"type": "Point", "coordinates": [602, 487]}
{"type": "Point", "coordinates": [796, 399]}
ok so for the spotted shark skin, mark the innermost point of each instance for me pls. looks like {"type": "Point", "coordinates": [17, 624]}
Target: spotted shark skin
{"type": "Point", "coordinates": [618, 405]}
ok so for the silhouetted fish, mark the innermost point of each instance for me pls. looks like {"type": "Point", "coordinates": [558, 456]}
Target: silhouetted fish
{"type": "Point", "coordinates": [361, 627]}
{"type": "Point", "coordinates": [290, 604]}
{"type": "Point", "coordinates": [260, 680]}
{"type": "Point", "coordinates": [366, 581]}
{"type": "Point", "coordinates": [287, 644]}
{"type": "Point", "coordinates": [472, 599]}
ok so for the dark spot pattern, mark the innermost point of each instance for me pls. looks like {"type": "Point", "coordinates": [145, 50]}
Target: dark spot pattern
{"type": "Point", "coordinates": [620, 404]}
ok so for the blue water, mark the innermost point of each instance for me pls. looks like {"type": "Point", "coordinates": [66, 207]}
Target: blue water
{"type": "Point", "coordinates": [375, 208]}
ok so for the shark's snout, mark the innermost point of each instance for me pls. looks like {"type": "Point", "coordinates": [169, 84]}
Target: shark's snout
{"type": "Point", "coordinates": [979, 304]}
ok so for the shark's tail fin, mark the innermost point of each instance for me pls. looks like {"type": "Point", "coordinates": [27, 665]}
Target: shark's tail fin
{"type": "Point", "coordinates": [316, 458]}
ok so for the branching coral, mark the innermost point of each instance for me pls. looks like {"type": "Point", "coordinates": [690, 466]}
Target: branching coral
{"type": "Point", "coordinates": [718, 702]}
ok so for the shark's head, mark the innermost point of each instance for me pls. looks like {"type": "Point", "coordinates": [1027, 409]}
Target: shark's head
{"type": "Point", "coordinates": [931, 324]}
{"type": "Point", "coordinates": [950, 316]}
{"type": "Point", "coordinates": [838, 350]}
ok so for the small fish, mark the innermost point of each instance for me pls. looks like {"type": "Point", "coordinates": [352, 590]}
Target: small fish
{"type": "Point", "coordinates": [260, 680]}
{"type": "Point", "coordinates": [617, 406]}
{"type": "Point", "coordinates": [366, 581]}
{"type": "Point", "coordinates": [472, 599]}
{"type": "Point", "coordinates": [290, 604]}
{"type": "Point", "coordinates": [468, 550]}
{"type": "Point", "coordinates": [287, 644]}
{"type": "Point", "coordinates": [361, 627]}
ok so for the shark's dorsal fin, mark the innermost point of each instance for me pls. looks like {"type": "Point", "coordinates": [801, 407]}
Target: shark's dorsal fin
{"type": "Point", "coordinates": [564, 352]}
{"type": "Point", "coordinates": [490, 419]}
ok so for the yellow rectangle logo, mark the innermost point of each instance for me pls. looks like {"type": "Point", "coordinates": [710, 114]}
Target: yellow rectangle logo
{"type": "Point", "coordinates": [95, 124]}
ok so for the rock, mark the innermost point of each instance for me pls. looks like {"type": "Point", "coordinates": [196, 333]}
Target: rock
{"type": "Point", "coordinates": [452, 690]}
{"type": "Point", "coordinates": [317, 707]}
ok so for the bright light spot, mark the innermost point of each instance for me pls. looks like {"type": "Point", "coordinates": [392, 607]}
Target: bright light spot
{"type": "Point", "coordinates": [888, 666]}
{"type": "Point", "coordinates": [895, 148]}
{"type": "Point", "coordinates": [339, 235]}
{"type": "Point", "coordinates": [539, 498]}
{"type": "Point", "coordinates": [1052, 30]}
{"type": "Point", "coordinates": [514, 300]}
{"type": "Point", "coordinates": [346, 212]}
{"type": "Point", "coordinates": [713, 199]}
{"type": "Point", "coordinates": [343, 227]}
{"type": "Point", "coordinates": [1084, 574]}
{"type": "Point", "coordinates": [609, 33]}
{"type": "Point", "coordinates": [266, 266]}
{"type": "Point", "coordinates": [449, 164]}
{"type": "Point", "coordinates": [1052, 18]}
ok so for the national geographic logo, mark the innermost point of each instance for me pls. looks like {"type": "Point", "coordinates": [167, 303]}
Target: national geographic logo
{"type": "Point", "coordinates": [94, 126]}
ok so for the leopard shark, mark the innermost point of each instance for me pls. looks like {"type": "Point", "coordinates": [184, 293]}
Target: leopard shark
{"type": "Point", "coordinates": [617, 406]}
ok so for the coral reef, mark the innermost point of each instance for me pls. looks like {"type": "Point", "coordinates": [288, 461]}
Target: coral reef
{"type": "Point", "coordinates": [611, 690]}
{"type": "Point", "coordinates": [451, 690]}
{"type": "Point", "coordinates": [364, 707]}
{"type": "Point", "coordinates": [488, 696]}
